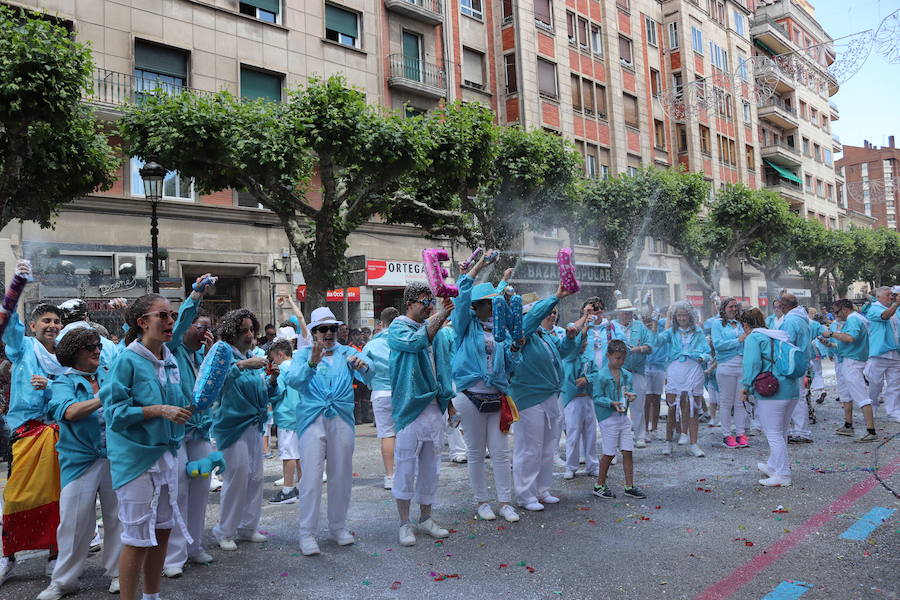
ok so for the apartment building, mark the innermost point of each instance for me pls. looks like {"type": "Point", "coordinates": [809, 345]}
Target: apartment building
{"type": "Point", "coordinates": [871, 181]}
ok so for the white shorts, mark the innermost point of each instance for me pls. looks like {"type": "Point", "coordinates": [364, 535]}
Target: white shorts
{"type": "Point", "coordinates": [288, 444]}
{"type": "Point", "coordinates": [655, 380]}
{"type": "Point", "coordinates": [685, 376]}
{"type": "Point", "coordinates": [383, 409]}
{"type": "Point", "coordinates": [851, 384]}
{"type": "Point", "coordinates": [617, 434]}
{"type": "Point", "coordinates": [148, 503]}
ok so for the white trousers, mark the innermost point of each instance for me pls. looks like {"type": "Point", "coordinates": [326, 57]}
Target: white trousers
{"type": "Point", "coordinates": [851, 383]}
{"type": "Point", "coordinates": [335, 439]}
{"type": "Point", "coordinates": [536, 440]}
{"type": "Point", "coordinates": [482, 431]}
{"type": "Point", "coordinates": [774, 416]}
{"type": "Point", "coordinates": [639, 384]}
{"type": "Point", "coordinates": [731, 412]}
{"type": "Point", "coordinates": [242, 486]}
{"type": "Point", "coordinates": [581, 434]}
{"type": "Point", "coordinates": [799, 424]}
{"type": "Point", "coordinates": [193, 496]}
{"type": "Point", "coordinates": [417, 457]}
{"type": "Point", "coordinates": [78, 519]}
{"type": "Point", "coordinates": [884, 374]}
{"type": "Point", "coordinates": [818, 381]}
{"type": "Point", "coordinates": [456, 439]}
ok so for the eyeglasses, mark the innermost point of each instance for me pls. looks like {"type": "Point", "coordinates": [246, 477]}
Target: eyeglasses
{"type": "Point", "coordinates": [93, 347]}
{"type": "Point", "coordinates": [328, 328]}
{"type": "Point", "coordinates": [428, 302]}
{"type": "Point", "coordinates": [201, 328]}
{"type": "Point", "coordinates": [162, 315]}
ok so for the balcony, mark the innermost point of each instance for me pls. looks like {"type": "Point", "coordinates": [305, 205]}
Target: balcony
{"type": "Point", "coordinates": [770, 35]}
{"type": "Point", "coordinates": [791, 191]}
{"type": "Point", "coordinates": [417, 76]}
{"type": "Point", "coordinates": [833, 109]}
{"type": "Point", "coordinates": [778, 113]}
{"type": "Point", "coordinates": [781, 153]}
{"type": "Point", "coordinates": [426, 11]}
{"type": "Point", "coordinates": [836, 143]}
{"type": "Point", "coordinates": [111, 90]}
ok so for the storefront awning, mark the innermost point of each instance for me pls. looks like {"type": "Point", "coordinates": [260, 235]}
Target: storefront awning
{"type": "Point", "coordinates": [783, 172]}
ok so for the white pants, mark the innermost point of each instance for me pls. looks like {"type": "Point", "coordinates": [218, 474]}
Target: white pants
{"type": "Point", "coordinates": [639, 384]}
{"type": "Point", "coordinates": [335, 439]}
{"type": "Point", "coordinates": [818, 382]}
{"type": "Point", "coordinates": [883, 370]}
{"type": "Point", "coordinates": [242, 486]}
{"type": "Point", "coordinates": [851, 383]}
{"type": "Point", "coordinates": [581, 434]}
{"type": "Point", "coordinates": [799, 424]}
{"type": "Point", "coordinates": [731, 412]}
{"type": "Point", "coordinates": [193, 496]}
{"type": "Point", "coordinates": [417, 457]}
{"type": "Point", "coordinates": [774, 416]}
{"type": "Point", "coordinates": [77, 521]}
{"type": "Point", "coordinates": [482, 431]}
{"type": "Point", "coordinates": [536, 437]}
{"type": "Point", "coordinates": [456, 439]}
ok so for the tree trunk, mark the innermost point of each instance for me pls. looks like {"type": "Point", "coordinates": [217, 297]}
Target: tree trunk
{"type": "Point", "coordinates": [771, 290]}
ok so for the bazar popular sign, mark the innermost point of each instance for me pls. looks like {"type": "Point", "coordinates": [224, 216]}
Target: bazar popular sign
{"type": "Point", "coordinates": [393, 272]}
{"type": "Point", "coordinates": [331, 295]}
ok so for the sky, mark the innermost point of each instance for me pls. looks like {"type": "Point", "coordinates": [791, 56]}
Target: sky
{"type": "Point", "coordinates": [868, 101]}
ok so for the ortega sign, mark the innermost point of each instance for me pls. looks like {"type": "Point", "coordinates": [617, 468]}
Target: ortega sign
{"type": "Point", "coordinates": [393, 272]}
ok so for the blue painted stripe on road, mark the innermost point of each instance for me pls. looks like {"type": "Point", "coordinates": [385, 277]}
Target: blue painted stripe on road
{"type": "Point", "coordinates": [868, 523]}
{"type": "Point", "coordinates": [788, 590]}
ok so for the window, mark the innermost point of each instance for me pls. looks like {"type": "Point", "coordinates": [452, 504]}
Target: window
{"type": "Point", "coordinates": [175, 187]}
{"type": "Point", "coordinates": [631, 110]}
{"type": "Point", "coordinates": [705, 140]}
{"type": "Point", "coordinates": [596, 40]}
{"type": "Point", "coordinates": [742, 68]}
{"type": "Point", "coordinates": [258, 84]}
{"type": "Point", "coordinates": [820, 188]}
{"type": "Point", "coordinates": [473, 68]}
{"type": "Point", "coordinates": [746, 107]}
{"type": "Point", "coordinates": [864, 169]}
{"type": "Point", "coordinates": [697, 40]}
{"type": "Point", "coordinates": [681, 131]}
{"type": "Point", "coordinates": [625, 50]}
{"type": "Point", "coordinates": [817, 152]}
{"type": "Point", "coordinates": [471, 8]}
{"type": "Point", "coordinates": [718, 56]}
{"type": "Point", "coordinates": [543, 14]}
{"type": "Point", "coordinates": [507, 11]}
{"type": "Point", "coordinates": [512, 75]}
{"type": "Point", "coordinates": [159, 68]}
{"type": "Point", "coordinates": [342, 26]}
{"type": "Point", "coordinates": [547, 78]}
{"type": "Point", "coordinates": [412, 56]}
{"type": "Point", "coordinates": [829, 192]}
{"type": "Point", "coordinates": [587, 96]}
{"type": "Point", "coordinates": [813, 116]}
{"type": "Point", "coordinates": [651, 31]}
{"type": "Point", "coordinates": [717, 11]}
{"type": "Point", "coordinates": [623, 4]}
{"type": "Point", "coordinates": [673, 35]}
{"type": "Point", "coordinates": [738, 22]}
{"type": "Point", "coordinates": [576, 94]}
{"type": "Point", "coordinates": [809, 183]}
{"type": "Point", "coordinates": [570, 27]}
{"type": "Point", "coordinates": [583, 40]}
{"type": "Point", "coordinates": [591, 161]}
{"type": "Point", "coordinates": [678, 84]}
{"type": "Point", "coordinates": [806, 151]}
{"type": "Point", "coordinates": [632, 171]}
{"type": "Point", "coordinates": [600, 97]}
{"type": "Point", "coordinates": [604, 171]}
{"type": "Point", "coordinates": [748, 155]}
{"type": "Point", "coordinates": [659, 134]}
{"type": "Point", "coordinates": [655, 83]}
{"type": "Point", "coordinates": [264, 10]}
{"type": "Point", "coordinates": [803, 109]}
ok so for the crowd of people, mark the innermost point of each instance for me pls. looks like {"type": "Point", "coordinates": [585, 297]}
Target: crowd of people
{"type": "Point", "coordinates": [89, 418]}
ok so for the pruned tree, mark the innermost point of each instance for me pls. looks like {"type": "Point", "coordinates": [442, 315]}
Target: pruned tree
{"type": "Point", "coordinates": [776, 253]}
{"type": "Point", "coordinates": [819, 251]}
{"type": "Point", "coordinates": [858, 261]}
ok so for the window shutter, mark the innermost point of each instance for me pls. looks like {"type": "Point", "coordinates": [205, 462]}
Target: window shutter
{"type": "Point", "coordinates": [473, 69]}
{"type": "Point", "coordinates": [542, 11]}
{"type": "Point", "coordinates": [342, 21]}
{"type": "Point", "coordinates": [160, 59]}
{"type": "Point", "coordinates": [270, 5]}
{"type": "Point", "coordinates": [547, 77]}
{"type": "Point", "coordinates": [256, 84]}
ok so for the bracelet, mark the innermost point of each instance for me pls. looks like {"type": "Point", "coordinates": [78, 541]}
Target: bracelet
{"type": "Point", "coordinates": [312, 365]}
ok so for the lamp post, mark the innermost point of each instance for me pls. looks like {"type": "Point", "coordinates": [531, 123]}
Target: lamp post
{"type": "Point", "coordinates": [153, 174]}
{"type": "Point", "coordinates": [742, 281]}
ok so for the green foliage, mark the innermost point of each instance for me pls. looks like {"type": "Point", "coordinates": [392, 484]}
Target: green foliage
{"type": "Point", "coordinates": [884, 267]}
{"type": "Point", "coordinates": [52, 150]}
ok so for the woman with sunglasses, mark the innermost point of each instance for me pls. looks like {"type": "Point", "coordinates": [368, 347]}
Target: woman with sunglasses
{"type": "Point", "coordinates": [143, 407]}
{"type": "Point", "coordinates": [84, 468]}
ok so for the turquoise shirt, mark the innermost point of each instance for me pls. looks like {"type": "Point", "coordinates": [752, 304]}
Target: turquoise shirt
{"type": "Point", "coordinates": [772, 321]}
{"type": "Point", "coordinates": [25, 402]}
{"type": "Point", "coordinates": [539, 373]}
{"type": "Point", "coordinates": [697, 347]}
{"type": "Point", "coordinates": [797, 328]}
{"type": "Point", "coordinates": [285, 401]}
{"type": "Point", "coordinates": [858, 349]}
{"type": "Point", "coordinates": [757, 346]}
{"type": "Point", "coordinates": [81, 442]}
{"type": "Point", "coordinates": [599, 337]}
{"type": "Point", "coordinates": [574, 367]}
{"type": "Point", "coordinates": [244, 403]}
{"type": "Point", "coordinates": [134, 443]}
{"type": "Point", "coordinates": [725, 340]}
{"type": "Point", "coordinates": [377, 355]}
{"type": "Point", "coordinates": [884, 334]}
{"type": "Point", "coordinates": [326, 390]}
{"type": "Point", "coordinates": [414, 384]}
{"type": "Point", "coordinates": [188, 364]}
{"type": "Point", "coordinates": [636, 334]}
{"type": "Point", "coordinates": [607, 391]}
{"type": "Point", "coordinates": [657, 359]}
{"type": "Point", "coordinates": [708, 324]}
{"type": "Point", "coordinates": [444, 348]}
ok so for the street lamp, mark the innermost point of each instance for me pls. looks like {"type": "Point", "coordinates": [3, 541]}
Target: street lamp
{"type": "Point", "coordinates": [742, 281]}
{"type": "Point", "coordinates": [153, 174]}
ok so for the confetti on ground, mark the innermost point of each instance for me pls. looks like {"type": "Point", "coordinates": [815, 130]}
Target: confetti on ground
{"type": "Point", "coordinates": [295, 554]}
{"type": "Point", "coordinates": [521, 564]}
{"type": "Point", "coordinates": [658, 507]}
{"type": "Point", "coordinates": [471, 536]}
{"type": "Point", "coordinates": [592, 521]}
{"type": "Point", "coordinates": [707, 490]}
{"type": "Point", "coordinates": [373, 554]}
{"type": "Point", "coordinates": [443, 576]}
{"type": "Point", "coordinates": [584, 508]}
{"type": "Point", "coordinates": [503, 566]}
{"type": "Point", "coordinates": [453, 531]}
{"type": "Point", "coordinates": [530, 569]}
{"type": "Point", "coordinates": [745, 540]}
{"type": "Point", "coordinates": [356, 474]}
{"type": "Point", "coordinates": [395, 585]}
{"type": "Point", "coordinates": [501, 528]}
{"type": "Point", "coordinates": [366, 582]}
{"type": "Point", "coordinates": [780, 509]}
{"type": "Point", "coordinates": [284, 574]}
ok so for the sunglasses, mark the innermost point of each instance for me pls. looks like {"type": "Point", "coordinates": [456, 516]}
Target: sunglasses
{"type": "Point", "coordinates": [163, 315]}
{"type": "Point", "coordinates": [428, 302]}
{"type": "Point", "coordinates": [327, 328]}
{"type": "Point", "coordinates": [93, 347]}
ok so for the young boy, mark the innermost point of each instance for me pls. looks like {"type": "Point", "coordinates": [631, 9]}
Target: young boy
{"type": "Point", "coordinates": [612, 394]}
{"type": "Point", "coordinates": [285, 414]}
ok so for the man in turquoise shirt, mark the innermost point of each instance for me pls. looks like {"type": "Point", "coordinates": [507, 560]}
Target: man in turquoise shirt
{"type": "Point", "coordinates": [795, 323]}
{"type": "Point", "coordinates": [883, 369]}
{"type": "Point", "coordinates": [378, 355]}
{"type": "Point", "coordinates": [853, 350]}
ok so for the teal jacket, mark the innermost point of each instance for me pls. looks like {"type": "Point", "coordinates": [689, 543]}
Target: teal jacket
{"type": "Point", "coordinates": [285, 400]}
{"type": "Point", "coordinates": [470, 359]}
{"type": "Point", "coordinates": [83, 441]}
{"type": "Point", "coordinates": [244, 403]}
{"type": "Point", "coordinates": [188, 364]}
{"type": "Point", "coordinates": [858, 349]}
{"type": "Point", "coordinates": [576, 366]}
{"type": "Point", "coordinates": [414, 384]}
{"type": "Point", "coordinates": [884, 334]}
{"type": "Point", "coordinates": [637, 334]}
{"type": "Point", "coordinates": [599, 337]}
{"type": "Point", "coordinates": [326, 390]}
{"type": "Point", "coordinates": [133, 443]}
{"type": "Point", "coordinates": [758, 358]}
{"type": "Point", "coordinates": [772, 321]}
{"type": "Point", "coordinates": [697, 348]}
{"type": "Point", "coordinates": [444, 348]}
{"type": "Point", "coordinates": [607, 391]}
{"type": "Point", "coordinates": [377, 355]}
{"type": "Point", "coordinates": [798, 331]}
{"type": "Point", "coordinates": [725, 340]}
{"type": "Point", "coordinates": [539, 373]}
{"type": "Point", "coordinates": [657, 360]}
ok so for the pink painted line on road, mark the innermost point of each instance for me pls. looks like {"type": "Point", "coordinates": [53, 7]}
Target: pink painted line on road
{"type": "Point", "coordinates": [740, 577]}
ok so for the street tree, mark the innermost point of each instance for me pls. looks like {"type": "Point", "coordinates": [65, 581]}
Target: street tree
{"type": "Point", "coordinates": [776, 253]}
{"type": "Point", "coordinates": [859, 260]}
{"type": "Point", "coordinates": [819, 251]}
{"type": "Point", "coordinates": [52, 149]}
{"type": "Point", "coordinates": [884, 268]}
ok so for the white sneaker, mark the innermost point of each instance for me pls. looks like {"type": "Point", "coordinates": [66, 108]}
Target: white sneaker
{"type": "Point", "coordinates": [173, 572]}
{"type": "Point", "coordinates": [324, 477]}
{"type": "Point", "coordinates": [6, 567]}
{"type": "Point", "coordinates": [308, 546]}
{"type": "Point", "coordinates": [388, 482]}
{"type": "Point", "coordinates": [48, 569]}
{"type": "Point", "coordinates": [485, 513]}
{"type": "Point", "coordinates": [615, 460]}
{"type": "Point", "coordinates": [569, 474]}
{"type": "Point", "coordinates": [201, 558]}
{"type": "Point", "coordinates": [533, 506]}
{"type": "Point", "coordinates": [549, 499]}
{"type": "Point", "coordinates": [114, 585]}
{"type": "Point", "coordinates": [255, 537]}
{"type": "Point", "coordinates": [53, 592]}
{"type": "Point", "coordinates": [343, 537]}
{"type": "Point", "coordinates": [765, 469]}
{"type": "Point", "coordinates": [509, 513]}
{"type": "Point", "coordinates": [215, 483]}
{"type": "Point", "coordinates": [407, 534]}
{"type": "Point", "coordinates": [558, 462]}
{"type": "Point", "coordinates": [640, 443]}
{"type": "Point", "coordinates": [279, 482]}
{"type": "Point", "coordinates": [695, 450]}
{"type": "Point", "coordinates": [667, 449]}
{"type": "Point", "coordinates": [227, 544]}
{"type": "Point", "coordinates": [433, 529]}
{"type": "Point", "coordinates": [684, 440]}
{"type": "Point", "coordinates": [459, 459]}
{"type": "Point", "coordinates": [775, 481]}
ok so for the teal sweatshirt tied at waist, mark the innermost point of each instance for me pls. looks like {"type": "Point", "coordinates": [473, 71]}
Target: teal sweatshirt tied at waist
{"type": "Point", "coordinates": [244, 403]}
{"type": "Point", "coordinates": [607, 390]}
{"type": "Point", "coordinates": [414, 384]}
{"type": "Point", "coordinates": [81, 442]}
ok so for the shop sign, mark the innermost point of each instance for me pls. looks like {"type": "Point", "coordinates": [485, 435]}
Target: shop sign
{"type": "Point", "coordinates": [393, 272]}
{"type": "Point", "coordinates": [331, 295]}
{"type": "Point", "coordinates": [696, 301]}
{"type": "Point", "coordinates": [122, 285]}
{"type": "Point", "coordinates": [549, 271]}
{"type": "Point", "coordinates": [763, 301]}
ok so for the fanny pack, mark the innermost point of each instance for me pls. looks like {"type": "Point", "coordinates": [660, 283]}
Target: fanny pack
{"type": "Point", "coordinates": [485, 403]}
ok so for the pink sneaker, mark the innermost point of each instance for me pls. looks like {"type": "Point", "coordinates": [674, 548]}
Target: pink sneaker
{"type": "Point", "coordinates": [742, 441]}
{"type": "Point", "coordinates": [730, 442]}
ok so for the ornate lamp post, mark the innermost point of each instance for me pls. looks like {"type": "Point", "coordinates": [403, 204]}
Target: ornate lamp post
{"type": "Point", "coordinates": [153, 174]}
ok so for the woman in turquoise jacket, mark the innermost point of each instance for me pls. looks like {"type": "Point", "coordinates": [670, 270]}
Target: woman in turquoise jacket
{"type": "Point", "coordinates": [773, 412]}
{"type": "Point", "coordinates": [728, 341]}
{"type": "Point", "coordinates": [84, 468]}
{"type": "Point", "coordinates": [535, 386]}
{"type": "Point", "coordinates": [145, 417]}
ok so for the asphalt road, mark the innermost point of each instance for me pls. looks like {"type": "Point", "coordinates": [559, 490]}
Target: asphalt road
{"type": "Point", "coordinates": [706, 530]}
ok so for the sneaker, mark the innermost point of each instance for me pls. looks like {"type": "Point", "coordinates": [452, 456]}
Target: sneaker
{"type": "Point", "coordinates": [635, 492]}
{"type": "Point", "coordinates": [407, 534]}
{"type": "Point", "coordinates": [255, 537]}
{"type": "Point", "coordinates": [433, 529]}
{"type": "Point", "coordinates": [569, 474]}
{"type": "Point", "coordinates": [485, 513]}
{"type": "Point", "coordinates": [799, 439]}
{"type": "Point", "coordinates": [775, 481]}
{"type": "Point", "coordinates": [114, 585]}
{"type": "Point", "coordinates": [269, 455]}
{"type": "Point", "coordinates": [730, 442]}
{"type": "Point", "coordinates": [54, 592]}
{"type": "Point", "coordinates": [96, 543]}
{"type": "Point", "coordinates": [343, 537]}
{"type": "Point", "coordinates": [173, 572]}
{"type": "Point", "coordinates": [509, 513]}
{"type": "Point", "coordinates": [549, 499]}
{"type": "Point", "coordinates": [869, 437]}
{"type": "Point", "coordinates": [742, 441]}
{"type": "Point", "coordinates": [603, 491]}
{"type": "Point", "coordinates": [6, 567]}
{"type": "Point", "coordinates": [667, 449]}
{"type": "Point", "coordinates": [684, 440]}
{"type": "Point", "coordinates": [279, 482]}
{"type": "Point", "coordinates": [201, 558]}
{"type": "Point", "coordinates": [459, 459]}
{"type": "Point", "coordinates": [844, 430]}
{"type": "Point", "coordinates": [324, 476]}
{"type": "Point", "coordinates": [558, 462]}
{"type": "Point", "coordinates": [215, 483]}
{"type": "Point", "coordinates": [49, 567]}
{"type": "Point", "coordinates": [281, 498]}
{"type": "Point", "coordinates": [640, 443]}
{"type": "Point", "coordinates": [615, 460]}
{"type": "Point", "coordinates": [227, 545]}
{"type": "Point", "coordinates": [308, 546]}
{"type": "Point", "coordinates": [533, 506]}
{"type": "Point", "coordinates": [695, 450]}
{"type": "Point", "coordinates": [765, 469]}
{"type": "Point", "coordinates": [388, 482]}
{"type": "Point", "coordinates": [704, 418]}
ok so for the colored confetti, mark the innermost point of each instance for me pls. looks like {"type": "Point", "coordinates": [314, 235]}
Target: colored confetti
{"type": "Point", "coordinates": [284, 574]}
{"type": "Point", "coordinates": [745, 540]}
{"type": "Point", "coordinates": [521, 564]}
{"type": "Point", "coordinates": [503, 566]}
{"type": "Point", "coordinates": [530, 569]}
{"type": "Point", "coordinates": [592, 521]}
{"type": "Point", "coordinates": [295, 554]}
{"type": "Point", "coordinates": [471, 536]}
{"type": "Point", "coordinates": [356, 474]}
{"type": "Point", "coordinates": [584, 508]}
{"type": "Point", "coordinates": [395, 585]}
{"type": "Point", "coordinates": [366, 582]}
{"type": "Point", "coordinates": [501, 528]}
{"type": "Point", "coordinates": [658, 507]}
